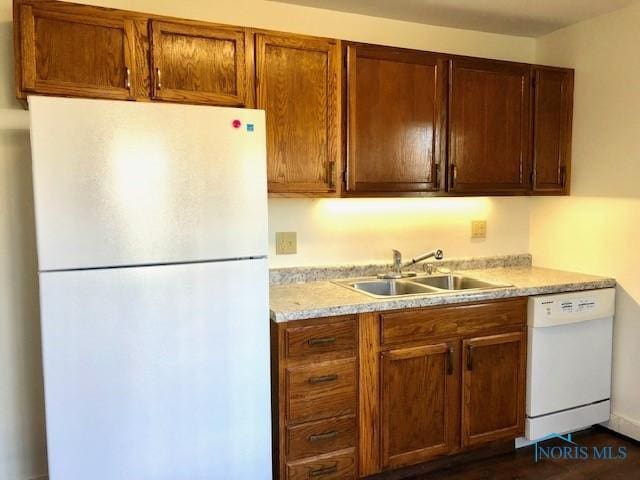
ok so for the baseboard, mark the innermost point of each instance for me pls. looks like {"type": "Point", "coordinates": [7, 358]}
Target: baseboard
{"type": "Point", "coordinates": [624, 426]}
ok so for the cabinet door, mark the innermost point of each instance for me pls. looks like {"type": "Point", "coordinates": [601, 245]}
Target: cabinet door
{"type": "Point", "coordinates": [552, 120]}
{"type": "Point", "coordinates": [299, 88]}
{"type": "Point", "coordinates": [420, 403]}
{"type": "Point", "coordinates": [397, 115]}
{"type": "Point", "coordinates": [493, 388]}
{"type": "Point", "coordinates": [200, 64]}
{"type": "Point", "coordinates": [490, 127]}
{"type": "Point", "coordinates": [69, 50]}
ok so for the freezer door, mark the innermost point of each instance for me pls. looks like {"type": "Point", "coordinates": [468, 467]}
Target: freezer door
{"type": "Point", "coordinates": [135, 183]}
{"type": "Point", "coordinates": [158, 373]}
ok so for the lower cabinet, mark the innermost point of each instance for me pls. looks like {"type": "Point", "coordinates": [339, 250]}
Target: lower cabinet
{"type": "Point", "coordinates": [315, 398]}
{"type": "Point", "coordinates": [359, 395]}
{"type": "Point", "coordinates": [493, 387]}
{"type": "Point", "coordinates": [420, 403]}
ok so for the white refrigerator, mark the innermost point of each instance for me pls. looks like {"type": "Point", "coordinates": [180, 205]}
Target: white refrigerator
{"type": "Point", "coordinates": [152, 242]}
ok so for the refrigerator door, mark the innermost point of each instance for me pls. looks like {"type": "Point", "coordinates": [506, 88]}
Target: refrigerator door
{"type": "Point", "coordinates": [134, 183]}
{"type": "Point", "coordinates": [158, 373]}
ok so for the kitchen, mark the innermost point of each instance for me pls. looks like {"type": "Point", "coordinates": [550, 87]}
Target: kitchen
{"type": "Point", "coordinates": [587, 231]}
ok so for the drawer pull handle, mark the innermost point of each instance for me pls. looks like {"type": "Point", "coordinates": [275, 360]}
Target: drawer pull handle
{"type": "Point", "coordinates": [470, 357]}
{"type": "Point", "coordinates": [324, 471]}
{"type": "Point", "coordinates": [322, 436]}
{"type": "Point", "coordinates": [319, 342]}
{"type": "Point", "coordinates": [450, 361]}
{"type": "Point", "coordinates": [323, 379]}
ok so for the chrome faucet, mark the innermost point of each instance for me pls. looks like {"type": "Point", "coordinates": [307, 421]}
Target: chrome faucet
{"type": "Point", "coordinates": [398, 266]}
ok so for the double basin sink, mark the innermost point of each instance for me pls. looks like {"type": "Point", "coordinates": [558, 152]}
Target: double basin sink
{"type": "Point", "coordinates": [421, 285]}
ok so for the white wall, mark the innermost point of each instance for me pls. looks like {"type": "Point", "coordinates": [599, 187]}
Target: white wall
{"type": "Point", "coordinates": [365, 230]}
{"type": "Point", "coordinates": [327, 231]}
{"type": "Point", "coordinates": [597, 229]}
{"type": "Point", "coordinates": [22, 445]}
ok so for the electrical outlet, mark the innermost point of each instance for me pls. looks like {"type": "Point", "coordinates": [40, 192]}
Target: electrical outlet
{"type": "Point", "coordinates": [479, 229]}
{"type": "Point", "coordinates": [286, 243]}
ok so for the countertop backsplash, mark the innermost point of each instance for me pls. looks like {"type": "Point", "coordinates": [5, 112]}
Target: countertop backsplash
{"type": "Point", "coordinates": [288, 275]}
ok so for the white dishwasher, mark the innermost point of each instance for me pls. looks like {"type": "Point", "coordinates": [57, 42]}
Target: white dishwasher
{"type": "Point", "coordinates": [568, 361]}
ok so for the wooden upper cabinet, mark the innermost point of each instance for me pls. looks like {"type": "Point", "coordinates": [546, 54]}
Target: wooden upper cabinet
{"type": "Point", "coordinates": [490, 127]}
{"type": "Point", "coordinates": [552, 120]}
{"type": "Point", "coordinates": [199, 63]}
{"type": "Point", "coordinates": [68, 50]}
{"type": "Point", "coordinates": [298, 85]}
{"type": "Point", "coordinates": [420, 403]}
{"type": "Point", "coordinates": [397, 115]}
{"type": "Point", "coordinates": [493, 389]}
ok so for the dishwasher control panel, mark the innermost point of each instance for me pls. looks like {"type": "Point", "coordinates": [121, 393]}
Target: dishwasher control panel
{"type": "Point", "coordinates": [563, 308]}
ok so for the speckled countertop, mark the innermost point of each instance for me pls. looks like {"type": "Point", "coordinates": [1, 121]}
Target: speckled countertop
{"type": "Point", "coordinates": [323, 298]}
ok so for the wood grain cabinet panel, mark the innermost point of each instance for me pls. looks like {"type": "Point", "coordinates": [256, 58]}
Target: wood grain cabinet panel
{"type": "Point", "coordinates": [493, 387]}
{"type": "Point", "coordinates": [66, 50]}
{"type": "Point", "coordinates": [310, 439]}
{"type": "Point", "coordinates": [420, 403]}
{"type": "Point", "coordinates": [552, 121]}
{"type": "Point", "coordinates": [321, 390]}
{"type": "Point", "coordinates": [397, 112]}
{"type": "Point", "coordinates": [200, 63]}
{"type": "Point", "coordinates": [337, 466]}
{"type": "Point", "coordinates": [490, 127]}
{"type": "Point", "coordinates": [298, 85]}
{"type": "Point", "coordinates": [415, 325]}
{"type": "Point", "coordinates": [321, 340]}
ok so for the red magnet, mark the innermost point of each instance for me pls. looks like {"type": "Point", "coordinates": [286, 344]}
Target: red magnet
{"type": "Point", "coordinates": [236, 123]}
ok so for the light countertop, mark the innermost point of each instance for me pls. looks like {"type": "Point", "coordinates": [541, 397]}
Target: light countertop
{"type": "Point", "coordinates": [324, 298]}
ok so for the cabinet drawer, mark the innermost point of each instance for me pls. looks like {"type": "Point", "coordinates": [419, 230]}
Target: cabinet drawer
{"type": "Point", "coordinates": [413, 325]}
{"type": "Point", "coordinates": [341, 466]}
{"type": "Point", "coordinates": [306, 341]}
{"type": "Point", "coordinates": [320, 437]}
{"type": "Point", "coordinates": [321, 391]}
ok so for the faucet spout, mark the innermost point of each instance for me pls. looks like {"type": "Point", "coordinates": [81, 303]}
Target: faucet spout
{"type": "Point", "coordinates": [398, 266]}
{"type": "Point", "coordinates": [437, 254]}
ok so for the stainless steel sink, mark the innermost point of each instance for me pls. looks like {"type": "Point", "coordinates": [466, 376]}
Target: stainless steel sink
{"type": "Point", "coordinates": [423, 285]}
{"type": "Point", "coordinates": [454, 282]}
{"type": "Point", "coordinates": [390, 288]}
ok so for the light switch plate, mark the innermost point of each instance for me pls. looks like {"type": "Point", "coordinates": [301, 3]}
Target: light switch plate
{"type": "Point", "coordinates": [479, 229]}
{"type": "Point", "coordinates": [286, 243]}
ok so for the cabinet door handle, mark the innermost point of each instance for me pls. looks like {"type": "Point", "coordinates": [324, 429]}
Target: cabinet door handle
{"type": "Point", "coordinates": [320, 342]}
{"type": "Point", "coordinates": [323, 379]}
{"type": "Point", "coordinates": [322, 436]}
{"type": "Point", "coordinates": [324, 471]}
{"type": "Point", "coordinates": [454, 175]}
{"type": "Point", "coordinates": [332, 175]}
{"type": "Point", "coordinates": [127, 78]}
{"type": "Point", "coordinates": [158, 79]}
{"type": "Point", "coordinates": [563, 176]}
{"type": "Point", "coordinates": [450, 361]}
{"type": "Point", "coordinates": [470, 357]}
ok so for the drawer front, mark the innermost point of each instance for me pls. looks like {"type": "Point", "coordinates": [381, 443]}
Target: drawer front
{"type": "Point", "coordinates": [414, 325]}
{"type": "Point", "coordinates": [331, 467]}
{"type": "Point", "coordinates": [307, 341]}
{"type": "Point", "coordinates": [321, 437]}
{"type": "Point", "coordinates": [321, 391]}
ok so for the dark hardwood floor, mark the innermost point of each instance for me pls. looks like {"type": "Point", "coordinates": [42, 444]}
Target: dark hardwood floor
{"type": "Point", "coordinates": [520, 464]}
